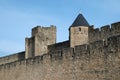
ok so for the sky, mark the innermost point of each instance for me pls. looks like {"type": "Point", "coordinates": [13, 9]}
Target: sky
{"type": "Point", "coordinates": [18, 17]}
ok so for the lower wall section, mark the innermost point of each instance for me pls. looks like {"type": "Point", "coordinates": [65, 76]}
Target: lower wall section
{"type": "Point", "coordinates": [65, 66]}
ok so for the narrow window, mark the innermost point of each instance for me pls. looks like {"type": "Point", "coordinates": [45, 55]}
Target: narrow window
{"type": "Point", "coordinates": [79, 29]}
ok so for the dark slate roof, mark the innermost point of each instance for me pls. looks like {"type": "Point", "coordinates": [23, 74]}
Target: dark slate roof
{"type": "Point", "coordinates": [80, 21]}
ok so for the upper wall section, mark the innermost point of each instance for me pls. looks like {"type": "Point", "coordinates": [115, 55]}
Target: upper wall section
{"type": "Point", "coordinates": [40, 39]}
{"type": "Point", "coordinates": [39, 29]}
{"type": "Point", "coordinates": [86, 62]}
{"type": "Point", "coordinates": [59, 46]}
{"type": "Point", "coordinates": [12, 58]}
{"type": "Point", "coordinates": [104, 32]}
{"type": "Point", "coordinates": [78, 35]}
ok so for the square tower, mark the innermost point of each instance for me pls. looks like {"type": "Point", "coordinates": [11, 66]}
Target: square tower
{"type": "Point", "coordinates": [78, 31]}
{"type": "Point", "coordinates": [41, 38]}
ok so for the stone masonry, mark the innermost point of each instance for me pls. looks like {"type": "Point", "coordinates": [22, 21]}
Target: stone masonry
{"type": "Point", "coordinates": [89, 54]}
{"type": "Point", "coordinates": [41, 38]}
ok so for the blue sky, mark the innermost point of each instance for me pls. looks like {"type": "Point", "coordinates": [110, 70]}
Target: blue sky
{"type": "Point", "coordinates": [17, 17]}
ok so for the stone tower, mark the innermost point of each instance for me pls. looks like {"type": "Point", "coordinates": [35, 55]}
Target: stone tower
{"type": "Point", "coordinates": [78, 31]}
{"type": "Point", "coordinates": [41, 38]}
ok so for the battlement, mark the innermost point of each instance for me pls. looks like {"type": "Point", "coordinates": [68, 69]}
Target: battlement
{"type": "Point", "coordinates": [54, 55]}
{"type": "Point", "coordinates": [12, 58]}
{"type": "Point", "coordinates": [111, 45]}
{"type": "Point", "coordinates": [38, 29]}
{"type": "Point", "coordinates": [104, 32]}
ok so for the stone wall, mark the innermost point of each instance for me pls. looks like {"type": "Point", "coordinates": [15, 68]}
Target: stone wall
{"type": "Point", "coordinates": [29, 47]}
{"type": "Point", "coordinates": [99, 60]}
{"type": "Point", "coordinates": [40, 39]}
{"type": "Point", "coordinates": [12, 58]}
{"type": "Point", "coordinates": [78, 35]}
{"type": "Point", "coordinates": [104, 32]}
{"type": "Point", "coordinates": [59, 46]}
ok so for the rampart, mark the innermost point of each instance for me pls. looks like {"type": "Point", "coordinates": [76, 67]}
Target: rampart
{"type": "Point", "coordinates": [104, 32]}
{"type": "Point", "coordinates": [59, 46]}
{"type": "Point", "coordinates": [100, 60]}
{"type": "Point", "coordinates": [12, 58]}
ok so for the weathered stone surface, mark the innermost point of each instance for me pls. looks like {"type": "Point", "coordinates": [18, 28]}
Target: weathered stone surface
{"type": "Point", "coordinates": [12, 58]}
{"type": "Point", "coordinates": [78, 35]}
{"type": "Point", "coordinates": [95, 61]}
{"type": "Point", "coordinates": [89, 54]}
{"type": "Point", "coordinates": [104, 32]}
{"type": "Point", "coordinates": [41, 38]}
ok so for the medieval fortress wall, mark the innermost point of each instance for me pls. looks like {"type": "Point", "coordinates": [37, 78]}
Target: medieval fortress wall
{"type": "Point", "coordinates": [104, 32]}
{"type": "Point", "coordinates": [98, 59]}
{"type": "Point", "coordinates": [86, 62]}
{"type": "Point", "coordinates": [12, 58]}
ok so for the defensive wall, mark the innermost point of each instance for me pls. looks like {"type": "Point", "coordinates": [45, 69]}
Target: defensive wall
{"type": "Point", "coordinates": [104, 32]}
{"type": "Point", "coordinates": [12, 58]}
{"type": "Point", "coordinates": [100, 60]}
{"type": "Point", "coordinates": [59, 46]}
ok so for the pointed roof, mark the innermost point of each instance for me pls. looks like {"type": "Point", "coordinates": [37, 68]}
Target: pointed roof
{"type": "Point", "coordinates": [80, 21]}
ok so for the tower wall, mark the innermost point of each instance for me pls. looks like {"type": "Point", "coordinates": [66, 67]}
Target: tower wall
{"type": "Point", "coordinates": [29, 47]}
{"type": "Point", "coordinates": [41, 38]}
{"type": "Point", "coordinates": [78, 35]}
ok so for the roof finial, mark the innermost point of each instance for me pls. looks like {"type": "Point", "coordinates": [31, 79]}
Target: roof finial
{"type": "Point", "coordinates": [80, 11]}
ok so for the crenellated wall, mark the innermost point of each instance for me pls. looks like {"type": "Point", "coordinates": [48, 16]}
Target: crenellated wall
{"type": "Point", "coordinates": [100, 60]}
{"type": "Point", "coordinates": [104, 32]}
{"type": "Point", "coordinates": [12, 58]}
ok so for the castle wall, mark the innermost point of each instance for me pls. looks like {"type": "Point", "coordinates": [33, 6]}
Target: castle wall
{"type": "Point", "coordinates": [41, 38]}
{"type": "Point", "coordinates": [104, 32]}
{"type": "Point", "coordinates": [99, 60]}
{"type": "Point", "coordinates": [78, 35]}
{"type": "Point", "coordinates": [12, 58]}
{"type": "Point", "coordinates": [59, 46]}
{"type": "Point", "coordinates": [29, 47]}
